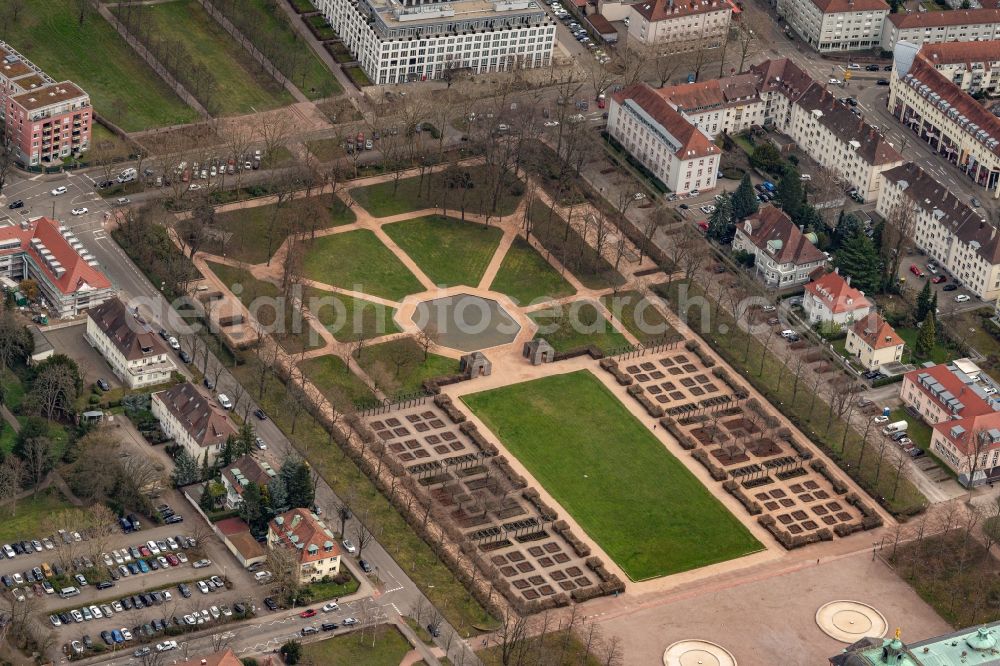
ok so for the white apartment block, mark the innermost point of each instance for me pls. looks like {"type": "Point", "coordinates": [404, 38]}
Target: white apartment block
{"type": "Point", "coordinates": [311, 542]}
{"type": "Point", "coordinates": [679, 154]}
{"type": "Point", "coordinates": [836, 25]}
{"type": "Point", "coordinates": [680, 23]}
{"type": "Point", "coordinates": [192, 420]}
{"type": "Point", "coordinates": [954, 234]}
{"type": "Point", "coordinates": [783, 255]}
{"type": "Point", "coordinates": [972, 66]}
{"type": "Point", "coordinates": [136, 355]}
{"type": "Point", "coordinates": [943, 115]}
{"type": "Point", "coordinates": [959, 25]}
{"type": "Point", "coordinates": [400, 42]}
{"type": "Point", "coordinates": [777, 93]}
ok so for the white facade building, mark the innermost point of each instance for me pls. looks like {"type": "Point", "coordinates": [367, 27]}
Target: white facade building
{"type": "Point", "coordinates": [136, 355]}
{"type": "Point", "coordinates": [680, 155]}
{"type": "Point", "coordinates": [833, 301]}
{"type": "Point", "coordinates": [836, 25]}
{"type": "Point", "coordinates": [681, 23]}
{"type": "Point", "coordinates": [784, 256]}
{"type": "Point", "coordinates": [958, 25]}
{"type": "Point", "coordinates": [192, 420]}
{"type": "Point", "coordinates": [399, 42]}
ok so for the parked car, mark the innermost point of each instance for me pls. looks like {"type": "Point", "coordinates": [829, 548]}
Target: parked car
{"type": "Point", "coordinates": [916, 270]}
{"type": "Point", "coordinates": [16, 203]}
{"type": "Point", "coordinates": [225, 402]}
{"type": "Point", "coordinates": [938, 279]}
{"type": "Point", "coordinates": [949, 287]}
{"type": "Point", "coordinates": [349, 546]}
{"type": "Point", "coordinates": [259, 413]}
{"type": "Point", "coordinates": [59, 190]}
{"type": "Point", "coordinates": [103, 384]}
{"type": "Point", "coordinates": [962, 298]}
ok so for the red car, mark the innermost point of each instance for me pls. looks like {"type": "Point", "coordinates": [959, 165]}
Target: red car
{"type": "Point", "coordinates": [145, 551]}
{"type": "Point", "coordinates": [916, 270]}
{"type": "Point", "coordinates": [173, 560]}
{"type": "Point", "coordinates": [938, 279]}
{"type": "Point", "coordinates": [308, 613]}
{"type": "Point", "coordinates": [703, 225]}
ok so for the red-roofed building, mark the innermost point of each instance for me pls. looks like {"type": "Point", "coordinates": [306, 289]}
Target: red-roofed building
{"type": "Point", "coordinates": [957, 399]}
{"type": "Point", "coordinates": [680, 22]}
{"type": "Point", "coordinates": [311, 541]}
{"type": "Point", "coordinates": [236, 535]}
{"type": "Point", "coordinates": [836, 25]}
{"type": "Point", "coordinates": [958, 25]}
{"type": "Point", "coordinates": [784, 256]}
{"type": "Point", "coordinates": [832, 300]}
{"type": "Point", "coordinates": [68, 276]}
{"type": "Point", "coordinates": [874, 342]}
{"type": "Point", "coordinates": [226, 658]}
{"type": "Point", "coordinates": [676, 152]}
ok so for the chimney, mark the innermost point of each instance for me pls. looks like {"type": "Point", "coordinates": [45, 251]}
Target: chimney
{"type": "Point", "coordinates": [848, 280]}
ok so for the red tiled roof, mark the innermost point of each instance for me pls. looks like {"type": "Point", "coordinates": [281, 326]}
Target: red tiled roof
{"type": "Point", "coordinates": [841, 6]}
{"type": "Point", "coordinates": [207, 423]}
{"type": "Point", "coordinates": [926, 73]}
{"type": "Point", "coordinates": [601, 24]}
{"type": "Point", "coordinates": [974, 405]}
{"type": "Point", "coordinates": [876, 332]}
{"type": "Point", "coordinates": [664, 10]}
{"type": "Point", "coordinates": [953, 17]}
{"type": "Point", "coordinates": [948, 53]}
{"type": "Point", "coordinates": [773, 224]}
{"type": "Point", "coordinates": [308, 535]}
{"type": "Point", "coordinates": [693, 142]}
{"type": "Point", "coordinates": [78, 273]}
{"type": "Point", "coordinates": [972, 427]}
{"type": "Point", "coordinates": [226, 658]}
{"type": "Point", "coordinates": [834, 292]}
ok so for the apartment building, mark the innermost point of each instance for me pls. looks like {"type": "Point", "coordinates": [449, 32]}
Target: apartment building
{"type": "Point", "coordinates": [784, 256]}
{"type": "Point", "coordinates": [239, 474]}
{"type": "Point", "coordinates": [943, 115]}
{"type": "Point", "coordinates": [873, 342]}
{"type": "Point", "coordinates": [836, 25]}
{"type": "Point", "coordinates": [679, 154]}
{"type": "Point", "coordinates": [832, 300]}
{"type": "Point", "coordinates": [950, 231]}
{"type": "Point", "coordinates": [401, 42]}
{"type": "Point", "coordinates": [683, 24]}
{"type": "Point", "coordinates": [68, 276]}
{"type": "Point", "coordinates": [972, 66]}
{"type": "Point", "coordinates": [193, 420]}
{"type": "Point", "coordinates": [719, 106]}
{"type": "Point", "coordinates": [959, 25]}
{"type": "Point", "coordinates": [957, 400]}
{"type": "Point", "coordinates": [312, 543]}
{"type": "Point", "coordinates": [47, 121]}
{"type": "Point", "coordinates": [137, 355]}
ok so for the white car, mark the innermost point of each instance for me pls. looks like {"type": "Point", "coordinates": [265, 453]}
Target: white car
{"type": "Point", "coordinates": [225, 401]}
{"type": "Point", "coordinates": [117, 557]}
{"type": "Point", "coordinates": [81, 211]}
{"type": "Point", "coordinates": [174, 344]}
{"type": "Point", "coordinates": [96, 612]}
{"type": "Point", "coordinates": [190, 619]}
{"type": "Point", "coordinates": [349, 546]}
{"type": "Point", "coordinates": [195, 186]}
{"type": "Point", "coordinates": [551, 123]}
{"type": "Point", "coordinates": [76, 615]}
{"type": "Point", "coordinates": [201, 564]}
{"type": "Point", "coordinates": [107, 559]}
{"type": "Point", "coordinates": [182, 557]}
{"type": "Point", "coordinates": [126, 634]}
{"type": "Point", "coordinates": [881, 419]}
{"type": "Point", "coordinates": [59, 190]}
{"type": "Point", "coordinates": [203, 586]}
{"type": "Point", "coordinates": [330, 607]}
{"type": "Point", "coordinates": [54, 619]}
{"type": "Point", "coordinates": [153, 548]}
{"type": "Point", "coordinates": [166, 646]}
{"type": "Point", "coordinates": [349, 621]}
{"type": "Point", "coordinates": [962, 298]}
{"type": "Point", "coordinates": [216, 613]}
{"type": "Point", "coordinates": [834, 82]}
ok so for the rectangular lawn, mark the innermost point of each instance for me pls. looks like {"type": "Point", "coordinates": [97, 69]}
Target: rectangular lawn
{"type": "Point", "coordinates": [638, 315]}
{"type": "Point", "coordinates": [643, 507]}
{"type": "Point", "coordinates": [448, 250]}
{"type": "Point", "coordinates": [340, 386]}
{"type": "Point", "coordinates": [574, 325]}
{"type": "Point", "coordinates": [410, 194]}
{"type": "Point", "coordinates": [92, 55]}
{"type": "Point", "coordinates": [358, 261]}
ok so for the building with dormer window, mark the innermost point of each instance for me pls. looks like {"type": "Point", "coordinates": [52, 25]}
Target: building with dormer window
{"type": "Point", "coordinates": [874, 342]}
{"type": "Point", "coordinates": [832, 300]}
{"type": "Point", "coordinates": [193, 420]}
{"type": "Point", "coordinates": [241, 473]}
{"type": "Point", "coordinates": [313, 543]}
{"type": "Point", "coordinates": [784, 256]}
{"type": "Point", "coordinates": [135, 353]}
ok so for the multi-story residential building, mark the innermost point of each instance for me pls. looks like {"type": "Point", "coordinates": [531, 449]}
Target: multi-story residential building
{"type": "Point", "coordinates": [719, 106]}
{"type": "Point", "coordinates": [957, 400]}
{"type": "Point", "coordinates": [948, 119]}
{"type": "Point", "coordinates": [135, 353]}
{"type": "Point", "coordinates": [310, 540]}
{"type": "Point", "coordinates": [676, 152]}
{"type": "Point", "coordinates": [836, 25]}
{"type": "Point", "coordinates": [832, 300]}
{"type": "Point", "coordinates": [950, 231]}
{"type": "Point", "coordinates": [960, 25]}
{"type": "Point", "coordinates": [409, 40]}
{"type": "Point", "coordinates": [46, 120]}
{"type": "Point", "coordinates": [874, 342]}
{"type": "Point", "coordinates": [784, 256]}
{"type": "Point", "coordinates": [191, 419]}
{"type": "Point", "coordinates": [241, 473]}
{"type": "Point", "coordinates": [681, 24]}
{"type": "Point", "coordinates": [972, 66]}
{"type": "Point", "coordinates": [69, 278]}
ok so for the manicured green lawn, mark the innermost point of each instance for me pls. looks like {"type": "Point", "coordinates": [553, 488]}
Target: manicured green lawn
{"type": "Point", "coordinates": [401, 367]}
{"type": "Point", "coordinates": [449, 251]}
{"type": "Point", "coordinates": [238, 85]}
{"type": "Point", "coordinates": [302, 67]}
{"type": "Point", "coordinates": [24, 520]}
{"type": "Point", "coordinates": [639, 316]}
{"type": "Point", "coordinates": [640, 504]}
{"type": "Point", "coordinates": [939, 354]}
{"type": "Point", "coordinates": [93, 56]}
{"type": "Point", "coordinates": [358, 76]}
{"type": "Point", "coordinates": [356, 648]}
{"type": "Point", "coordinates": [358, 261]}
{"type": "Point", "coordinates": [527, 277]}
{"type": "Point", "coordinates": [410, 194]}
{"type": "Point", "coordinates": [592, 269]}
{"type": "Point", "coordinates": [254, 234]}
{"type": "Point", "coordinates": [262, 299]}
{"type": "Point", "coordinates": [350, 319]}
{"type": "Point", "coordinates": [339, 385]}
{"type": "Point", "coordinates": [577, 324]}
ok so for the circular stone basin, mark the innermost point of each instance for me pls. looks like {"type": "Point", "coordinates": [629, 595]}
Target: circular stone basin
{"type": "Point", "coordinates": [850, 621]}
{"type": "Point", "coordinates": [466, 322]}
{"type": "Point", "coordinates": [697, 653]}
